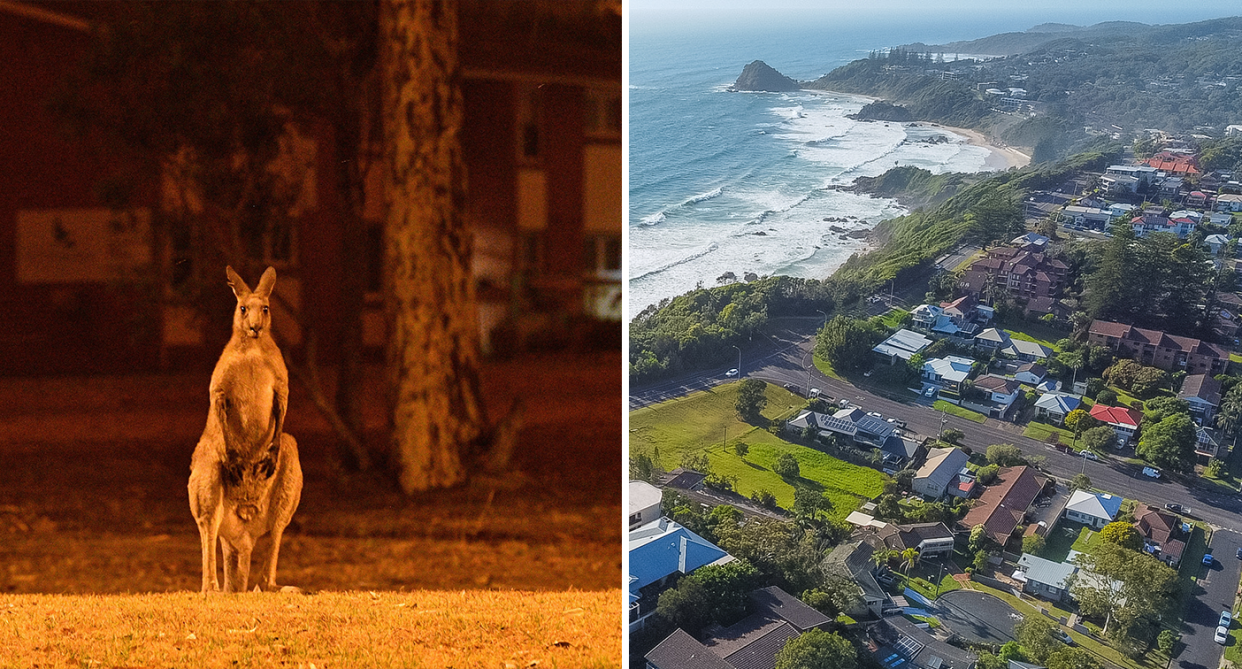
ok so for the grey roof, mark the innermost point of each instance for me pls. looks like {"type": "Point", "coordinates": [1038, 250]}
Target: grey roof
{"type": "Point", "coordinates": [854, 560]}
{"type": "Point", "coordinates": [1201, 386]}
{"type": "Point", "coordinates": [761, 653]}
{"type": "Point", "coordinates": [786, 606]}
{"type": "Point", "coordinates": [951, 657]}
{"type": "Point", "coordinates": [900, 446]}
{"type": "Point", "coordinates": [1046, 571]}
{"type": "Point", "coordinates": [680, 651]}
{"type": "Point", "coordinates": [903, 344]}
{"type": "Point", "coordinates": [1058, 403]}
{"type": "Point", "coordinates": [643, 496]}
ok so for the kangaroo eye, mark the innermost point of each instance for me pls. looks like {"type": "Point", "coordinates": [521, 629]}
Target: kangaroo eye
{"type": "Point", "coordinates": [243, 311]}
{"type": "Point", "coordinates": [265, 311]}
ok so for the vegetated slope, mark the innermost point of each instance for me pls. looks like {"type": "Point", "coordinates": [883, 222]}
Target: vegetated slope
{"type": "Point", "coordinates": [914, 186]}
{"type": "Point", "coordinates": [1008, 44]}
{"type": "Point", "coordinates": [909, 243]}
{"type": "Point", "coordinates": [698, 329]}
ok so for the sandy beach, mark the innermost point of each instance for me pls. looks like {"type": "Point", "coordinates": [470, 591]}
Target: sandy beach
{"type": "Point", "coordinates": [999, 157]}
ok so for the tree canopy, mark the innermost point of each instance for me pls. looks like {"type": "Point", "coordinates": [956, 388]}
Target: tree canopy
{"type": "Point", "coordinates": [846, 344]}
{"type": "Point", "coordinates": [1169, 443]}
{"type": "Point", "coordinates": [817, 649]}
{"type": "Point", "coordinates": [751, 399]}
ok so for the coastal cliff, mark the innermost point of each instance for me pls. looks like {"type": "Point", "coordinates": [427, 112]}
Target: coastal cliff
{"type": "Point", "coordinates": [759, 76]}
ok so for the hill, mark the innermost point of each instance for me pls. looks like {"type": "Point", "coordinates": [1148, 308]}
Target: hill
{"type": "Point", "coordinates": [759, 76]}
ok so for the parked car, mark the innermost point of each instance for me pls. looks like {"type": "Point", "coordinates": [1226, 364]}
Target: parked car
{"type": "Point", "coordinates": [844, 403]}
{"type": "Point", "coordinates": [1089, 455]}
{"type": "Point", "coordinates": [1222, 635]}
{"type": "Point", "coordinates": [930, 392]}
{"type": "Point", "coordinates": [1063, 637]}
{"type": "Point", "coordinates": [731, 372]}
{"type": "Point", "coordinates": [1209, 560]}
{"type": "Point", "coordinates": [1152, 472]}
{"type": "Point", "coordinates": [875, 414]}
{"type": "Point", "coordinates": [1226, 619]}
{"type": "Point", "coordinates": [1240, 553]}
{"type": "Point", "coordinates": [1175, 508]}
{"type": "Point", "coordinates": [814, 393]}
{"type": "Point", "coordinates": [791, 387]}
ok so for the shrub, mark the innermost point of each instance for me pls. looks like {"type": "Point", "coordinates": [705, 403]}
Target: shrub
{"type": "Point", "coordinates": [786, 466]}
{"type": "Point", "coordinates": [1106, 396]}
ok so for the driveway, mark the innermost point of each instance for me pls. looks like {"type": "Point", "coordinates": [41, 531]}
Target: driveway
{"type": "Point", "coordinates": [978, 617]}
{"type": "Point", "coordinates": [1212, 593]}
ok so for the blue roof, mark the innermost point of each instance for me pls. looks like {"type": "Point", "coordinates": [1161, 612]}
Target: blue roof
{"type": "Point", "coordinates": [663, 547]}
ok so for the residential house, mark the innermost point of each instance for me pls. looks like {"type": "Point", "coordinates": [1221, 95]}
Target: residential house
{"type": "Point", "coordinates": [1230, 202]}
{"type": "Point", "coordinates": [1162, 533]}
{"type": "Point", "coordinates": [751, 643]}
{"type": "Point", "coordinates": [1087, 217]}
{"type": "Point", "coordinates": [929, 539]}
{"type": "Point", "coordinates": [1196, 198]}
{"type": "Point", "coordinates": [853, 560]}
{"type": "Point", "coordinates": [1002, 507]}
{"type": "Point", "coordinates": [1119, 184]}
{"type": "Point", "coordinates": [1044, 578]}
{"type": "Point", "coordinates": [901, 345]}
{"type": "Point", "coordinates": [1124, 421]}
{"type": "Point", "coordinates": [1174, 163]}
{"type": "Point", "coordinates": [853, 424]}
{"type": "Point", "coordinates": [1157, 349]}
{"type": "Point", "coordinates": [1094, 509]}
{"type": "Point", "coordinates": [1027, 351]}
{"type": "Point", "coordinates": [1202, 392]}
{"type": "Point", "coordinates": [660, 552]}
{"type": "Point", "coordinates": [681, 478]}
{"type": "Point", "coordinates": [1041, 306]}
{"type": "Point", "coordinates": [1206, 445]}
{"type": "Point", "coordinates": [1056, 406]}
{"type": "Point", "coordinates": [948, 372]}
{"type": "Point", "coordinates": [1142, 174]}
{"type": "Point", "coordinates": [991, 339]}
{"type": "Point", "coordinates": [1149, 223]}
{"type": "Point", "coordinates": [1216, 243]}
{"type": "Point", "coordinates": [644, 503]}
{"type": "Point", "coordinates": [933, 479]}
{"type": "Point", "coordinates": [1024, 273]}
{"type": "Point", "coordinates": [1031, 373]}
{"type": "Point", "coordinates": [1032, 238]}
{"type": "Point", "coordinates": [900, 451]}
{"type": "Point", "coordinates": [1001, 393]}
{"type": "Point", "coordinates": [900, 644]}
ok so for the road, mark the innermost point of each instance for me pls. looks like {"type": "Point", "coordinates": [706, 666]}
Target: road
{"type": "Point", "coordinates": [785, 357]}
{"type": "Point", "coordinates": [1214, 593]}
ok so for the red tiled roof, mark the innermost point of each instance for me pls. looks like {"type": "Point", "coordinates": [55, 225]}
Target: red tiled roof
{"type": "Point", "coordinates": [1116, 415]}
{"type": "Point", "coordinates": [1002, 507]}
{"type": "Point", "coordinates": [1154, 524]}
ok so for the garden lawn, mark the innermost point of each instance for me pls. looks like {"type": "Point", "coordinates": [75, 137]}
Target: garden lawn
{"type": "Point", "coordinates": [893, 318]}
{"type": "Point", "coordinates": [961, 412]}
{"type": "Point", "coordinates": [1040, 334]}
{"type": "Point", "coordinates": [826, 369]}
{"type": "Point", "coordinates": [1086, 539]}
{"type": "Point", "coordinates": [1042, 432]}
{"type": "Point", "coordinates": [698, 424]}
{"type": "Point", "coordinates": [1058, 544]}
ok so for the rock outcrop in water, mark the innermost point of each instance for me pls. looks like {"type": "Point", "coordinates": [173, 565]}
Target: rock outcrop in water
{"type": "Point", "coordinates": [759, 76]}
{"type": "Point", "coordinates": [881, 110]}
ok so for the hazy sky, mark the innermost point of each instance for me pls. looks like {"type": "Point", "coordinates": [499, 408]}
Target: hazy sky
{"type": "Point", "coordinates": [1080, 12]}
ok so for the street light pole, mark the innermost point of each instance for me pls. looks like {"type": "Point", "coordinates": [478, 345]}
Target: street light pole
{"type": "Point", "coordinates": [825, 315]}
{"type": "Point", "coordinates": [739, 361]}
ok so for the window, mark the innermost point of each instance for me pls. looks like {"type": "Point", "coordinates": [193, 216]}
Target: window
{"type": "Point", "coordinates": [603, 112]}
{"type": "Point", "coordinates": [529, 120]}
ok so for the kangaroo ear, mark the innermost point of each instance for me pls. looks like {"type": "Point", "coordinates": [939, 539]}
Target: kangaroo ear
{"type": "Point", "coordinates": [240, 289]}
{"type": "Point", "coordinates": [266, 283]}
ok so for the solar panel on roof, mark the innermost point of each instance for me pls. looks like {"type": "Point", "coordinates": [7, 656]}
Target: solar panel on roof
{"type": "Point", "coordinates": [908, 646]}
{"type": "Point", "coordinates": [934, 662]}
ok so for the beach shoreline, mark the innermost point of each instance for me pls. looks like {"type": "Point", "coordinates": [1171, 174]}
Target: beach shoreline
{"type": "Point", "coordinates": [1000, 157]}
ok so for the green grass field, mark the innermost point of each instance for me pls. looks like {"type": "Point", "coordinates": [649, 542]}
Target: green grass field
{"type": "Point", "coordinates": [1043, 432]}
{"type": "Point", "coordinates": [962, 412]}
{"type": "Point", "coordinates": [1040, 334]}
{"type": "Point", "coordinates": [826, 369]}
{"type": "Point", "coordinates": [699, 423]}
{"type": "Point", "coordinates": [892, 320]}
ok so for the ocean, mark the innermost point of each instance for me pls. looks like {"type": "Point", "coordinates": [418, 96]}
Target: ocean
{"type": "Point", "coordinates": [746, 182]}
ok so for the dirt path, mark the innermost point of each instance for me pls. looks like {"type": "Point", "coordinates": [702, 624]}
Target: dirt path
{"type": "Point", "coordinates": [93, 499]}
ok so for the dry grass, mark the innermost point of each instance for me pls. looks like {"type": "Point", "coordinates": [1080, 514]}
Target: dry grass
{"type": "Point", "coordinates": [330, 629]}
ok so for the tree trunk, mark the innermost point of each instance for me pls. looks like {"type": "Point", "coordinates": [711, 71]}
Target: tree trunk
{"type": "Point", "coordinates": [433, 346]}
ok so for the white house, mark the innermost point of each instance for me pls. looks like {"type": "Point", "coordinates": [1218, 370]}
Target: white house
{"type": "Point", "coordinates": [934, 477]}
{"type": "Point", "coordinates": [902, 345]}
{"type": "Point", "coordinates": [1216, 243]}
{"type": "Point", "coordinates": [1228, 202]}
{"type": "Point", "coordinates": [1056, 406]}
{"type": "Point", "coordinates": [1002, 392]}
{"type": "Point", "coordinates": [644, 503]}
{"type": "Point", "coordinates": [948, 372]}
{"type": "Point", "coordinates": [1045, 578]}
{"type": "Point", "coordinates": [1027, 351]}
{"type": "Point", "coordinates": [1096, 510]}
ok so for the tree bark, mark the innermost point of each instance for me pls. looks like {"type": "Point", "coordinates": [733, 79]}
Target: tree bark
{"type": "Point", "coordinates": [433, 346]}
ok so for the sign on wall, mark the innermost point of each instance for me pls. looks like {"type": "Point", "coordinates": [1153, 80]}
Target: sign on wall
{"type": "Point", "coordinates": [81, 245]}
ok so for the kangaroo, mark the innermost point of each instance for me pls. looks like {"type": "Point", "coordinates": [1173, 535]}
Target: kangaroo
{"type": "Point", "coordinates": [245, 478]}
